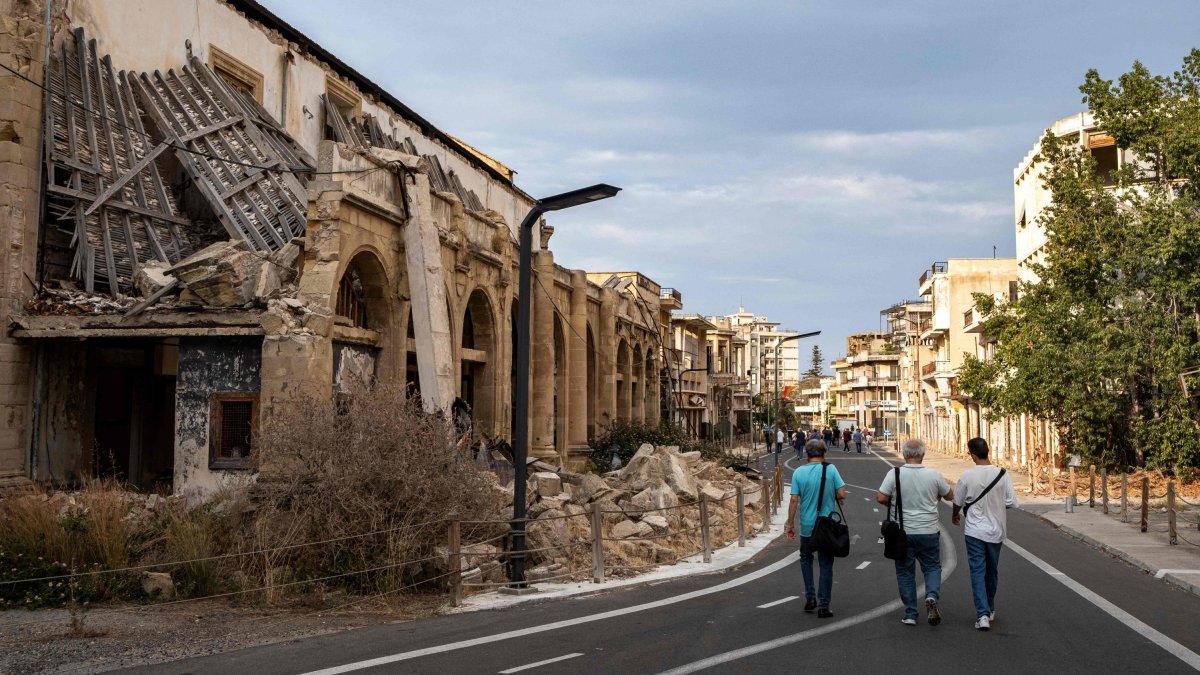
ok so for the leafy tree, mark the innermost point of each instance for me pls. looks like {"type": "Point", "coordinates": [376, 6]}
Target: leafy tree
{"type": "Point", "coordinates": [1098, 346]}
{"type": "Point", "coordinates": [818, 363]}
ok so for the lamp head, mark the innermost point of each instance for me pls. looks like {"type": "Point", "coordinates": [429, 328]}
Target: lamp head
{"type": "Point", "coordinates": [576, 197]}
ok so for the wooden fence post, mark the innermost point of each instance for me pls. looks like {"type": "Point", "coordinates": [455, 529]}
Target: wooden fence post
{"type": "Point", "coordinates": [704, 543]}
{"type": "Point", "coordinates": [1104, 490]}
{"type": "Point", "coordinates": [455, 562]}
{"type": "Point", "coordinates": [741, 516]}
{"type": "Point", "coordinates": [1145, 503]}
{"type": "Point", "coordinates": [1172, 534]}
{"type": "Point", "coordinates": [597, 544]}
{"type": "Point", "coordinates": [1125, 497]}
{"type": "Point", "coordinates": [1092, 486]}
{"type": "Point", "coordinates": [1074, 498]}
{"type": "Point", "coordinates": [768, 503]}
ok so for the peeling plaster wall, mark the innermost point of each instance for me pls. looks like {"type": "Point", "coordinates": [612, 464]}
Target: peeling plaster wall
{"type": "Point", "coordinates": [208, 366]}
{"type": "Point", "coordinates": [353, 366]}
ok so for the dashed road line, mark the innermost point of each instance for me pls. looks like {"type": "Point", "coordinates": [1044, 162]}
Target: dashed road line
{"type": "Point", "coordinates": [547, 662]}
{"type": "Point", "coordinates": [863, 565]}
{"type": "Point", "coordinates": [779, 602]}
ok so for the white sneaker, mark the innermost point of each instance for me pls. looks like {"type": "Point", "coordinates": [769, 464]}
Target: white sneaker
{"type": "Point", "coordinates": [908, 622]}
{"type": "Point", "coordinates": [983, 623]}
{"type": "Point", "coordinates": [991, 616]}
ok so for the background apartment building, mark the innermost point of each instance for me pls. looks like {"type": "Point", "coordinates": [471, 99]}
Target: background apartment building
{"type": "Point", "coordinates": [771, 361]}
{"type": "Point", "coordinates": [866, 391]}
{"type": "Point", "coordinates": [906, 321]}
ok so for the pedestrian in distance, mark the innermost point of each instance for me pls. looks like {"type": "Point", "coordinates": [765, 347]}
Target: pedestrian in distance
{"type": "Point", "coordinates": [919, 490]}
{"type": "Point", "coordinates": [780, 436]}
{"type": "Point", "coordinates": [811, 501]}
{"type": "Point", "coordinates": [858, 439]}
{"type": "Point", "coordinates": [769, 438]}
{"type": "Point", "coordinates": [846, 435]}
{"type": "Point", "coordinates": [798, 441]}
{"type": "Point", "coordinates": [827, 434]}
{"type": "Point", "coordinates": [983, 494]}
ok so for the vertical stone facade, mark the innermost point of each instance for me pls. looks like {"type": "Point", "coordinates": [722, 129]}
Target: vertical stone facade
{"type": "Point", "coordinates": [22, 48]}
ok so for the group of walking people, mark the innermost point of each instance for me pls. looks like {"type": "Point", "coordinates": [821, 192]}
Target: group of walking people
{"type": "Point", "coordinates": [831, 437]}
{"type": "Point", "coordinates": [912, 493]}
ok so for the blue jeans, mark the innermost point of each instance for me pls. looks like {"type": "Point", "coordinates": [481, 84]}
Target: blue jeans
{"type": "Point", "coordinates": [984, 560]}
{"type": "Point", "coordinates": [825, 562]}
{"type": "Point", "coordinates": [926, 549]}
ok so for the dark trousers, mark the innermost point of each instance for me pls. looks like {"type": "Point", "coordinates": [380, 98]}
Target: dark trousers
{"type": "Point", "coordinates": [824, 587]}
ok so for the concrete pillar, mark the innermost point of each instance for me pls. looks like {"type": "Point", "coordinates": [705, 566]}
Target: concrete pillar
{"type": "Point", "coordinates": [577, 397]}
{"type": "Point", "coordinates": [637, 393]}
{"type": "Point", "coordinates": [606, 361]}
{"type": "Point", "coordinates": [541, 389]}
{"type": "Point", "coordinates": [624, 398]}
{"type": "Point", "coordinates": [427, 286]}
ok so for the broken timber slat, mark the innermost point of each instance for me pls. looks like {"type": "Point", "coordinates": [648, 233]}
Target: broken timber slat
{"type": "Point", "coordinates": [109, 258]}
{"type": "Point", "coordinates": [124, 206]}
{"type": "Point", "coordinates": [212, 128]}
{"type": "Point", "coordinates": [126, 177]}
{"type": "Point", "coordinates": [153, 298]}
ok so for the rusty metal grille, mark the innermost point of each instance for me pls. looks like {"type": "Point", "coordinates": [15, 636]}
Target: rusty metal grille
{"type": "Point", "coordinates": [236, 429]}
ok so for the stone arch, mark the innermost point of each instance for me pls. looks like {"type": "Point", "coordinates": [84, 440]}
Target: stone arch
{"type": "Point", "coordinates": [637, 384]}
{"type": "Point", "coordinates": [479, 356]}
{"type": "Point", "coordinates": [362, 298]}
{"type": "Point", "coordinates": [650, 388]}
{"type": "Point", "coordinates": [561, 397]}
{"type": "Point", "coordinates": [624, 375]}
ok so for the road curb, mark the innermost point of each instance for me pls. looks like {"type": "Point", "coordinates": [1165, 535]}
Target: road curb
{"type": "Point", "coordinates": [1173, 579]}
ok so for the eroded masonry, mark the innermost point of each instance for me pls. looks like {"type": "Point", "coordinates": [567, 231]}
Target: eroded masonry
{"type": "Point", "coordinates": [220, 213]}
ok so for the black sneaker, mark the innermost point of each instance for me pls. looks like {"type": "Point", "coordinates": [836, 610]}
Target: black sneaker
{"type": "Point", "coordinates": [935, 616]}
{"type": "Point", "coordinates": [824, 613]}
{"type": "Point", "coordinates": [810, 605]}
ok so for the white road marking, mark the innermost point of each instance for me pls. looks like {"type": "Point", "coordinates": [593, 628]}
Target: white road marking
{"type": "Point", "coordinates": [863, 565]}
{"type": "Point", "coordinates": [779, 602]}
{"type": "Point", "coordinates": [540, 663]}
{"type": "Point", "coordinates": [947, 547]}
{"type": "Point", "coordinates": [1162, 573]}
{"type": "Point", "coordinates": [875, 510]}
{"type": "Point", "coordinates": [566, 623]}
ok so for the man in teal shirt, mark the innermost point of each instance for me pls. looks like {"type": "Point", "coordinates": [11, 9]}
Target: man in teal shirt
{"type": "Point", "coordinates": [806, 486]}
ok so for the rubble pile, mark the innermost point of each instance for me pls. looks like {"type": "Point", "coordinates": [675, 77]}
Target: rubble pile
{"type": "Point", "coordinates": [650, 515]}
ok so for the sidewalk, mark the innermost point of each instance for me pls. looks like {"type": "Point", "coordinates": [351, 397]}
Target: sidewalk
{"type": "Point", "coordinates": [1149, 551]}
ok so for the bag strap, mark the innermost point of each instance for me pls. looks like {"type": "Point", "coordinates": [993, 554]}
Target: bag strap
{"type": "Point", "coordinates": [821, 490]}
{"type": "Point", "coordinates": [967, 505]}
{"type": "Point", "coordinates": [899, 501]}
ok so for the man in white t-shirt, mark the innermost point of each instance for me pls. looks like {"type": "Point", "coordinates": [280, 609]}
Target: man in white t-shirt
{"type": "Point", "coordinates": [982, 512]}
{"type": "Point", "coordinates": [779, 439]}
{"type": "Point", "coordinates": [920, 490]}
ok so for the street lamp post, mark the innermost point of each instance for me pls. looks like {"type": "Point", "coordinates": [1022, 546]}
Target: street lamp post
{"type": "Point", "coordinates": [778, 343]}
{"type": "Point", "coordinates": [521, 396]}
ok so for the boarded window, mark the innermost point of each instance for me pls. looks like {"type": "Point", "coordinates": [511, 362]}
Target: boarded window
{"type": "Point", "coordinates": [237, 74]}
{"type": "Point", "coordinates": [234, 428]}
{"type": "Point", "coordinates": [343, 101]}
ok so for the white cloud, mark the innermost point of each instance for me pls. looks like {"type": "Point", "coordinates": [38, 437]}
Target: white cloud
{"type": "Point", "coordinates": [890, 143]}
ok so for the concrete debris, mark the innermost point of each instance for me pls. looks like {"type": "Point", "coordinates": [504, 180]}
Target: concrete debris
{"type": "Point", "coordinates": [224, 274]}
{"type": "Point", "coordinates": [649, 512]}
{"type": "Point", "coordinates": [158, 585]}
{"type": "Point", "coordinates": [151, 278]}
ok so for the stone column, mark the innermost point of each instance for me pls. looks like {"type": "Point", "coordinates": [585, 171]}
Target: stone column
{"type": "Point", "coordinates": [637, 364]}
{"type": "Point", "coordinates": [541, 386]}
{"type": "Point", "coordinates": [427, 286]}
{"type": "Point", "coordinates": [606, 360]}
{"type": "Point", "coordinates": [21, 48]}
{"type": "Point", "coordinates": [577, 410]}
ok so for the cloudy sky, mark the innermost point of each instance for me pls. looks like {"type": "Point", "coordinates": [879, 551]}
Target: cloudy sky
{"type": "Point", "coordinates": [806, 159]}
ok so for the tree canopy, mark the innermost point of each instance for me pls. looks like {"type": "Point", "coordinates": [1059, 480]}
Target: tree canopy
{"type": "Point", "coordinates": [1099, 345]}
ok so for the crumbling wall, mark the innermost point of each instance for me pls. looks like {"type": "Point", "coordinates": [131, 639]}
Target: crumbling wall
{"type": "Point", "coordinates": [208, 366]}
{"type": "Point", "coordinates": [21, 48]}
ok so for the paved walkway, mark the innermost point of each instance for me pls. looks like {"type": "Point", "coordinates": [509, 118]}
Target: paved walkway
{"type": "Point", "coordinates": [1148, 551]}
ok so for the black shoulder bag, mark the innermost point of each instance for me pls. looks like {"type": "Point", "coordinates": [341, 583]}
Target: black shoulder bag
{"type": "Point", "coordinates": [830, 534]}
{"type": "Point", "coordinates": [895, 541]}
{"type": "Point", "coordinates": [967, 505]}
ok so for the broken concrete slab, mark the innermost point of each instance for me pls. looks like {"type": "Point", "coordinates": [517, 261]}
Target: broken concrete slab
{"type": "Point", "coordinates": [151, 278]}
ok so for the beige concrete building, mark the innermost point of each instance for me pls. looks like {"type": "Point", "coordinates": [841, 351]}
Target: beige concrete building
{"type": "Point", "coordinates": [866, 390]}
{"type": "Point", "coordinates": [771, 361]}
{"type": "Point", "coordinates": [948, 418]}
{"type": "Point", "coordinates": [231, 215]}
{"type": "Point", "coordinates": [693, 404]}
{"type": "Point", "coordinates": [813, 401]}
{"type": "Point", "coordinates": [730, 384]}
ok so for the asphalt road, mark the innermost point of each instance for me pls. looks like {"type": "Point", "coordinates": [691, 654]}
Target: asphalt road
{"type": "Point", "coordinates": [1061, 607]}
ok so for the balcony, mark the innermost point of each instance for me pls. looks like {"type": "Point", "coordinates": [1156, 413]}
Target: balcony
{"type": "Point", "coordinates": [927, 277]}
{"type": "Point", "coordinates": [938, 369]}
{"type": "Point", "coordinates": [669, 298]}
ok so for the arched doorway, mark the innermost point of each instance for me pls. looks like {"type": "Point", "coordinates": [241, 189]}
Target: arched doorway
{"type": "Point", "coordinates": [623, 378]}
{"type": "Point", "coordinates": [592, 394]}
{"type": "Point", "coordinates": [636, 411]}
{"type": "Point", "coordinates": [361, 302]}
{"type": "Point", "coordinates": [477, 386]}
{"type": "Point", "coordinates": [560, 387]}
{"type": "Point", "coordinates": [650, 400]}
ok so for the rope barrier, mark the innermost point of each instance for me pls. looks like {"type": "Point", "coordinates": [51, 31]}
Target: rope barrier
{"type": "Point", "coordinates": [224, 556]}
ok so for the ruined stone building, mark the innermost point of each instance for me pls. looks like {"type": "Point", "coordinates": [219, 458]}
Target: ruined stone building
{"type": "Point", "coordinates": [222, 214]}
